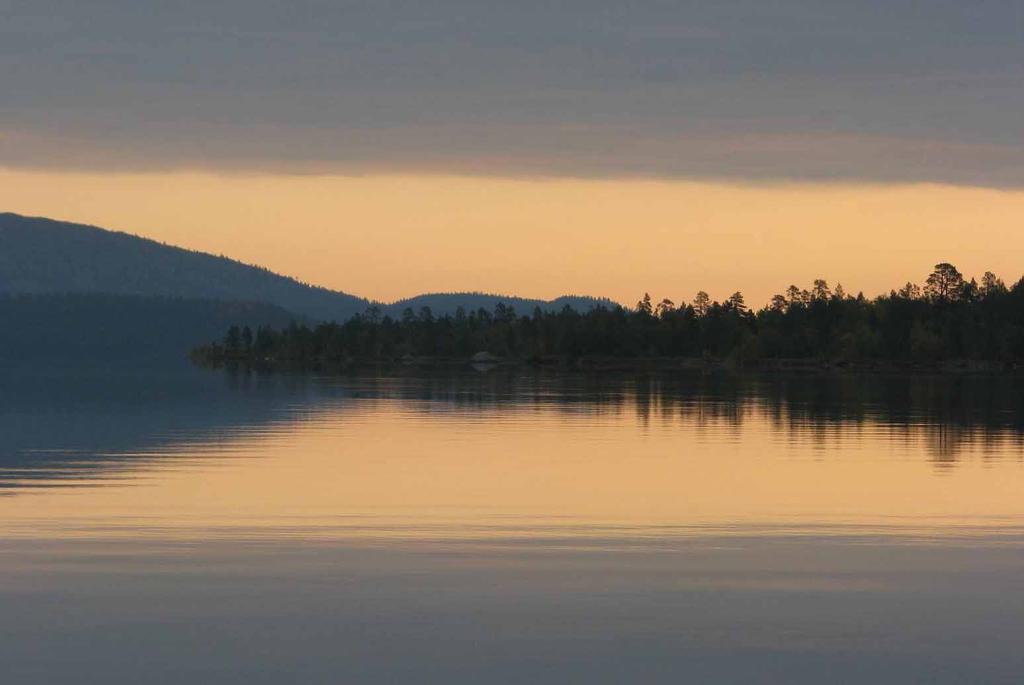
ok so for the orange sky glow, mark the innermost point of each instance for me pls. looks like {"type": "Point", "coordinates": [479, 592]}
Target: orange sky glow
{"type": "Point", "coordinates": [390, 236]}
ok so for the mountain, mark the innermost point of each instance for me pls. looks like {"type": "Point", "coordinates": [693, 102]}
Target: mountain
{"type": "Point", "coordinates": [71, 291]}
{"type": "Point", "coordinates": [45, 256]}
{"type": "Point", "coordinates": [442, 304]}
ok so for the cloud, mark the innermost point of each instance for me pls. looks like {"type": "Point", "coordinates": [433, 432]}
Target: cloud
{"type": "Point", "coordinates": [746, 90]}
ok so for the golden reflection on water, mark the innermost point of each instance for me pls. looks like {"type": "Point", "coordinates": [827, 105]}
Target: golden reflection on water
{"type": "Point", "coordinates": [385, 468]}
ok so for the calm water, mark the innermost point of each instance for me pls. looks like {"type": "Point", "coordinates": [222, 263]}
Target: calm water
{"type": "Point", "coordinates": [188, 526]}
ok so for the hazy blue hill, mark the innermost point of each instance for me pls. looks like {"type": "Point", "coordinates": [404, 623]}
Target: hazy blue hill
{"type": "Point", "coordinates": [446, 303]}
{"type": "Point", "coordinates": [122, 328]}
{"type": "Point", "coordinates": [45, 256]}
{"type": "Point", "coordinates": [75, 292]}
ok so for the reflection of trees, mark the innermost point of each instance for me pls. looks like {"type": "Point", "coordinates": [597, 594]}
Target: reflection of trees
{"type": "Point", "coordinates": [112, 423]}
{"type": "Point", "coordinates": [945, 442]}
{"type": "Point", "coordinates": [949, 413]}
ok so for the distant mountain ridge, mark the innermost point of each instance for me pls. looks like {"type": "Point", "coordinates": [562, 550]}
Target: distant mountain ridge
{"type": "Point", "coordinates": [40, 255]}
{"type": "Point", "coordinates": [45, 256]}
{"type": "Point", "coordinates": [75, 292]}
{"type": "Point", "coordinates": [446, 304]}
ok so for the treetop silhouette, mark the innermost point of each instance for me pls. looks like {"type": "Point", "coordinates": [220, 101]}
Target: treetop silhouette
{"type": "Point", "coordinates": [948, 319]}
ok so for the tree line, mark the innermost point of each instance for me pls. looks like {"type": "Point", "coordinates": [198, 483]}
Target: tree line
{"type": "Point", "coordinates": [946, 318]}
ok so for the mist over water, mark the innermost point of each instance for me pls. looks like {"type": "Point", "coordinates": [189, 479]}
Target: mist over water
{"type": "Point", "coordinates": [175, 524]}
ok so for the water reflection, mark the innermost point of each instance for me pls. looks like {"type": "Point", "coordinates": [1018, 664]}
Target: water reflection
{"type": "Point", "coordinates": [503, 454]}
{"type": "Point", "coordinates": [65, 428]}
{"type": "Point", "coordinates": [176, 525]}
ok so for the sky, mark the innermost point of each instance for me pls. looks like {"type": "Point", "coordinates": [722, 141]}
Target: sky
{"type": "Point", "coordinates": [387, 148]}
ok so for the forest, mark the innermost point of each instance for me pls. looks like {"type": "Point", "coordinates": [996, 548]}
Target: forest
{"type": "Point", "coordinates": [946, 318]}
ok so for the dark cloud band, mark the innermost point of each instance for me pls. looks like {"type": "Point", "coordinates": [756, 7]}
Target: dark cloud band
{"type": "Point", "coordinates": [800, 90]}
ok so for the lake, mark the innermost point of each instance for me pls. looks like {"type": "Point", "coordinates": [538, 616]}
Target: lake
{"type": "Point", "coordinates": [501, 526]}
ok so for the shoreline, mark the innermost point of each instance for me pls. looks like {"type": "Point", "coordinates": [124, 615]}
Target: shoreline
{"type": "Point", "coordinates": [633, 365]}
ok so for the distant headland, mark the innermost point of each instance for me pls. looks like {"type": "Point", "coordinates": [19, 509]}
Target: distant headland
{"type": "Point", "coordinates": [948, 321]}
